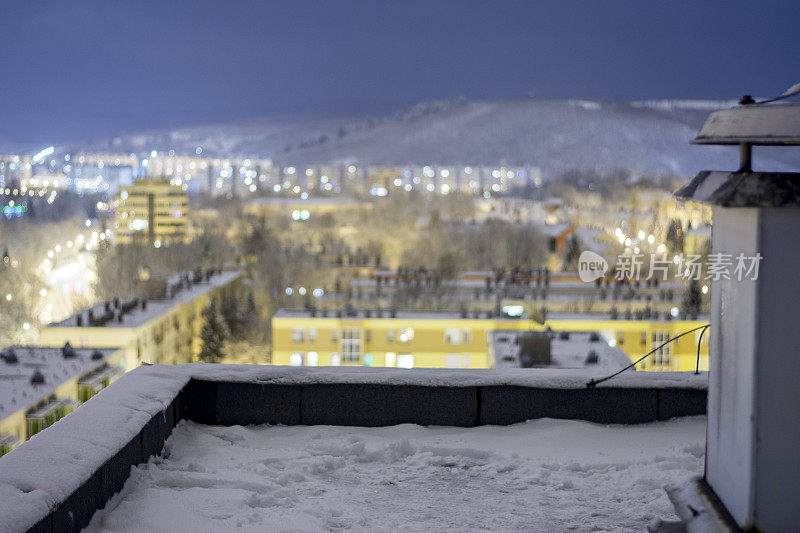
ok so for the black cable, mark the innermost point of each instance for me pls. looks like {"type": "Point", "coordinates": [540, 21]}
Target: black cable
{"type": "Point", "coordinates": [699, 341]}
{"type": "Point", "coordinates": [593, 382]}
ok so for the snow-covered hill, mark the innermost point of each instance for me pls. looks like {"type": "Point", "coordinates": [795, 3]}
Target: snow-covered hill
{"type": "Point", "coordinates": [647, 137]}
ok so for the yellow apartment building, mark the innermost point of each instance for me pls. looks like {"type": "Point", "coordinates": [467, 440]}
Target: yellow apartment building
{"type": "Point", "coordinates": [157, 331]}
{"type": "Point", "coordinates": [43, 385]}
{"type": "Point", "coordinates": [447, 340]}
{"type": "Point", "coordinates": [409, 340]}
{"type": "Point", "coordinates": [152, 211]}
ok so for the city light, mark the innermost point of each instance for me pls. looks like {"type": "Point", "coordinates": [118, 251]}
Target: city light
{"type": "Point", "coordinates": [41, 155]}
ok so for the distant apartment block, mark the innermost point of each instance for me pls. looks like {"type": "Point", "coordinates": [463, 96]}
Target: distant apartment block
{"type": "Point", "coordinates": [43, 385]}
{"type": "Point", "coordinates": [385, 339]}
{"type": "Point", "coordinates": [537, 292]}
{"type": "Point", "coordinates": [152, 211]}
{"type": "Point", "coordinates": [464, 340]}
{"type": "Point", "coordinates": [162, 328]}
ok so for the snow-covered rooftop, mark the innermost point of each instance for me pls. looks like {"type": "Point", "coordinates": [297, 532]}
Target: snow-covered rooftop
{"type": "Point", "coordinates": [554, 475]}
{"type": "Point", "coordinates": [408, 315]}
{"type": "Point", "coordinates": [16, 390]}
{"type": "Point", "coordinates": [571, 351]}
{"type": "Point", "coordinates": [773, 124]}
{"type": "Point", "coordinates": [81, 443]}
{"type": "Point", "coordinates": [138, 316]}
{"type": "Point", "coordinates": [607, 316]}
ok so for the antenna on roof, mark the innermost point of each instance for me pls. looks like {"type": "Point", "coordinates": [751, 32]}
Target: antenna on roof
{"type": "Point", "coordinates": [37, 378]}
{"type": "Point", "coordinates": [794, 90]}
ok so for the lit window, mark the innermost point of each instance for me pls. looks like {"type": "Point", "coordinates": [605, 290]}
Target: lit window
{"type": "Point", "coordinates": [452, 360]}
{"type": "Point", "coordinates": [406, 335]}
{"type": "Point", "coordinates": [312, 359]}
{"type": "Point", "coordinates": [298, 334]}
{"type": "Point", "coordinates": [335, 359]}
{"type": "Point", "coordinates": [391, 359]}
{"type": "Point", "coordinates": [456, 360]}
{"type": "Point", "coordinates": [452, 336]}
{"type": "Point", "coordinates": [661, 357]}
{"type": "Point", "coordinates": [351, 345]}
{"type": "Point", "coordinates": [296, 359]}
{"type": "Point", "coordinates": [405, 360]}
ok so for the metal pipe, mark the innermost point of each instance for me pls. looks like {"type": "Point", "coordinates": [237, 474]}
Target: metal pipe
{"type": "Point", "coordinates": [745, 157]}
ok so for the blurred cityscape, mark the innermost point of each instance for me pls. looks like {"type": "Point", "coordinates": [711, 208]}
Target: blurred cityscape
{"type": "Point", "coordinates": [429, 266]}
{"type": "Point", "coordinates": [174, 258]}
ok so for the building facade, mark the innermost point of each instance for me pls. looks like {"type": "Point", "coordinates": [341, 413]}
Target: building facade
{"type": "Point", "coordinates": [153, 212]}
{"type": "Point", "coordinates": [157, 331]}
{"type": "Point", "coordinates": [43, 385]}
{"type": "Point", "coordinates": [451, 340]}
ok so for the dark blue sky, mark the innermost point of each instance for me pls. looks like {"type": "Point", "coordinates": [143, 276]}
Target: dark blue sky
{"type": "Point", "coordinates": [83, 69]}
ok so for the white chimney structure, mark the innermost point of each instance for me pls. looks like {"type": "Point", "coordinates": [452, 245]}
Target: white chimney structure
{"type": "Point", "coordinates": [752, 474]}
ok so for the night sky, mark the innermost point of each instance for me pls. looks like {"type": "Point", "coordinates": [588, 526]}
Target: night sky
{"type": "Point", "coordinates": [87, 69]}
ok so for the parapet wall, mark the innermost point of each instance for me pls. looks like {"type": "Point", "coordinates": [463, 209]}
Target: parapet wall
{"type": "Point", "coordinates": [58, 479]}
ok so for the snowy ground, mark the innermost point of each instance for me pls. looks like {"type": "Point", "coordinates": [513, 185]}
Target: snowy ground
{"type": "Point", "coordinates": [543, 475]}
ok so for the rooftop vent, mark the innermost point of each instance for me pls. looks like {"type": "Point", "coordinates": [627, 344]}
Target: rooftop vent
{"type": "Point", "coordinates": [592, 358]}
{"type": "Point", "coordinates": [594, 337]}
{"type": "Point", "coordinates": [534, 348]}
{"type": "Point", "coordinates": [97, 355]}
{"type": "Point", "coordinates": [37, 378]}
{"type": "Point", "coordinates": [10, 356]}
{"type": "Point", "coordinates": [68, 351]}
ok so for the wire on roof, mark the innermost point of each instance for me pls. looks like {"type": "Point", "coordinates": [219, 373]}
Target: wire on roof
{"type": "Point", "coordinates": [594, 382]}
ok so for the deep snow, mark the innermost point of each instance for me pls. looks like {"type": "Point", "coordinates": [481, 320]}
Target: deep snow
{"type": "Point", "coordinates": [44, 471]}
{"type": "Point", "coordinates": [543, 475]}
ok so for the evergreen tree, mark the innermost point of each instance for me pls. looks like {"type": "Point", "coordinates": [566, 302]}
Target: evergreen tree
{"type": "Point", "coordinates": [213, 333]}
{"type": "Point", "coordinates": [692, 298]}
{"type": "Point", "coordinates": [251, 311]}
{"type": "Point", "coordinates": [231, 315]}
{"type": "Point", "coordinates": [675, 237]}
{"type": "Point", "coordinates": [249, 318]}
{"type": "Point", "coordinates": [573, 252]}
